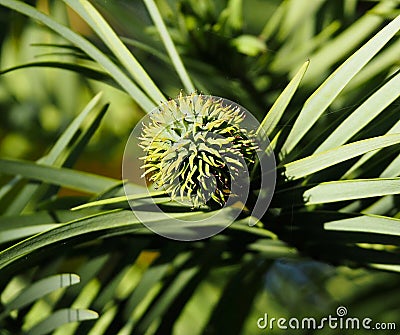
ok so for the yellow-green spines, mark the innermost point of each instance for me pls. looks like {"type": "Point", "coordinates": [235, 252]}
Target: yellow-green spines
{"type": "Point", "coordinates": [196, 148]}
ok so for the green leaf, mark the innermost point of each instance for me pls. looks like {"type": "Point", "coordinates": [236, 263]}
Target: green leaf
{"type": "Point", "coordinates": [386, 204]}
{"type": "Point", "coordinates": [249, 45]}
{"type": "Point", "coordinates": [73, 151]}
{"type": "Point", "coordinates": [278, 108]}
{"type": "Point", "coordinates": [351, 189]}
{"type": "Point", "coordinates": [296, 13]}
{"type": "Point", "coordinates": [395, 129]}
{"type": "Point", "coordinates": [102, 225]}
{"type": "Point", "coordinates": [348, 40]}
{"type": "Point", "coordinates": [273, 249]}
{"type": "Point", "coordinates": [87, 71]}
{"type": "Point", "coordinates": [100, 26]}
{"type": "Point", "coordinates": [329, 90]}
{"type": "Point", "coordinates": [117, 200]}
{"type": "Point", "coordinates": [119, 76]}
{"type": "Point", "coordinates": [381, 207]}
{"type": "Point", "coordinates": [314, 163]}
{"type": "Point", "coordinates": [381, 63]}
{"type": "Point", "coordinates": [289, 57]}
{"type": "Point", "coordinates": [249, 225]}
{"type": "Point", "coordinates": [70, 132]}
{"type": "Point", "coordinates": [61, 317]}
{"type": "Point", "coordinates": [69, 178]}
{"type": "Point", "coordinates": [150, 50]}
{"type": "Point", "coordinates": [7, 235]}
{"type": "Point", "coordinates": [231, 18]}
{"type": "Point", "coordinates": [169, 45]}
{"type": "Point", "coordinates": [386, 267]}
{"type": "Point", "coordinates": [364, 114]}
{"type": "Point", "coordinates": [392, 170]}
{"type": "Point", "coordinates": [272, 25]}
{"type": "Point", "coordinates": [367, 224]}
{"type": "Point", "coordinates": [39, 289]}
{"type": "Point", "coordinates": [37, 218]}
{"type": "Point", "coordinates": [78, 228]}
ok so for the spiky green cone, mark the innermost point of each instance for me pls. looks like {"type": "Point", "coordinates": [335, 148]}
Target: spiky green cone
{"type": "Point", "coordinates": [196, 148]}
